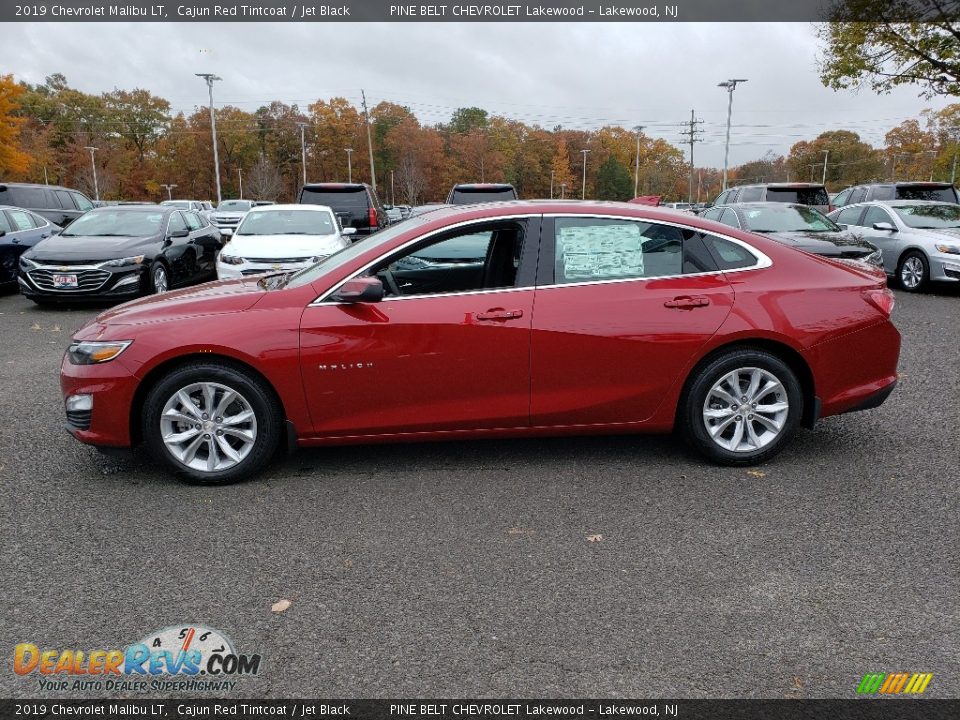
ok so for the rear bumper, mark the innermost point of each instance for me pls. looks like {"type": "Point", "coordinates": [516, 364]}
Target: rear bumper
{"type": "Point", "coordinates": [874, 400]}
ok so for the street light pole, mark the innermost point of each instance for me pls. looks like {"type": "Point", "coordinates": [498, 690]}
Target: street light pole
{"type": "Point", "coordinates": [551, 184]}
{"type": "Point", "coordinates": [730, 85]}
{"type": "Point", "coordinates": [636, 167]}
{"type": "Point", "coordinates": [349, 165]}
{"type": "Point", "coordinates": [583, 189]}
{"type": "Point", "coordinates": [169, 189]}
{"type": "Point", "coordinates": [826, 154]}
{"type": "Point", "coordinates": [303, 148]}
{"type": "Point", "coordinates": [210, 78]}
{"type": "Point", "coordinates": [93, 164]}
{"type": "Point", "coordinates": [393, 197]}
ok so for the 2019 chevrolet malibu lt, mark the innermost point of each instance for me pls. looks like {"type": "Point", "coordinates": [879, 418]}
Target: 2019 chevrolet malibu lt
{"type": "Point", "coordinates": [119, 252]}
{"type": "Point", "coordinates": [286, 238]}
{"type": "Point", "coordinates": [799, 226]}
{"type": "Point", "coordinates": [582, 318]}
{"type": "Point", "coordinates": [919, 239]}
{"type": "Point", "coordinates": [20, 230]}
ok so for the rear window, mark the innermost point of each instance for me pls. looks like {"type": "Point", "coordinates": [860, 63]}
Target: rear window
{"type": "Point", "coordinates": [27, 197]}
{"type": "Point", "coordinates": [351, 198]}
{"type": "Point", "coordinates": [943, 193]}
{"type": "Point", "coordinates": [464, 196]}
{"type": "Point", "coordinates": [802, 195]}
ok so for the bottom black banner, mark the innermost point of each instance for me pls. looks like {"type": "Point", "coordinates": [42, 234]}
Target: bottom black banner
{"type": "Point", "coordinates": [892, 709]}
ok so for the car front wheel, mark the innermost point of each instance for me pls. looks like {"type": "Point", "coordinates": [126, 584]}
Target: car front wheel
{"type": "Point", "coordinates": [913, 272]}
{"type": "Point", "coordinates": [742, 407]}
{"type": "Point", "coordinates": [159, 280]}
{"type": "Point", "coordinates": [212, 423]}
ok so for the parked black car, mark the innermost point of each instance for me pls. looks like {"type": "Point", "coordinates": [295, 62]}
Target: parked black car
{"type": "Point", "coordinates": [799, 226]}
{"type": "Point", "coordinates": [467, 193]}
{"type": "Point", "coordinates": [939, 191]}
{"type": "Point", "coordinates": [20, 230]}
{"type": "Point", "coordinates": [115, 253]}
{"type": "Point", "coordinates": [812, 194]}
{"type": "Point", "coordinates": [356, 205]}
{"type": "Point", "coordinates": [59, 205]}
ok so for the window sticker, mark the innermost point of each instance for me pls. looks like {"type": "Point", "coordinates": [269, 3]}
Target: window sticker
{"type": "Point", "coordinates": [601, 251]}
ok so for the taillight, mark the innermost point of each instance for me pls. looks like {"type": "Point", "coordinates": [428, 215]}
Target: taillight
{"type": "Point", "coordinates": [373, 217]}
{"type": "Point", "coordinates": [882, 299]}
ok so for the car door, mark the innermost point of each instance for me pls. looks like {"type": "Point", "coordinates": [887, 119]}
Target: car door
{"type": "Point", "coordinates": [622, 306]}
{"type": "Point", "coordinates": [11, 247]}
{"type": "Point", "coordinates": [178, 251]}
{"type": "Point", "coordinates": [447, 361]}
{"type": "Point", "coordinates": [205, 246]}
{"type": "Point", "coordinates": [888, 241]}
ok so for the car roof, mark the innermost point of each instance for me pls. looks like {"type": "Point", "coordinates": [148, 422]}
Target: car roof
{"type": "Point", "coordinates": [308, 207]}
{"type": "Point", "coordinates": [477, 211]}
{"type": "Point", "coordinates": [760, 204]}
{"type": "Point", "coordinates": [896, 203]}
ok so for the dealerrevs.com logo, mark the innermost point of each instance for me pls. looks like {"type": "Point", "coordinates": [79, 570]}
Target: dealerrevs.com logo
{"type": "Point", "coordinates": [185, 658]}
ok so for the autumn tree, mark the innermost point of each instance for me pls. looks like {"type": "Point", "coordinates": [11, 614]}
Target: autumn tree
{"type": "Point", "coordinates": [560, 165]}
{"type": "Point", "coordinates": [912, 151]}
{"type": "Point", "coordinates": [12, 159]}
{"type": "Point", "coordinates": [770, 168]}
{"type": "Point", "coordinates": [849, 160]}
{"type": "Point", "coordinates": [888, 43]}
{"type": "Point", "coordinates": [264, 181]}
{"type": "Point", "coordinates": [613, 181]}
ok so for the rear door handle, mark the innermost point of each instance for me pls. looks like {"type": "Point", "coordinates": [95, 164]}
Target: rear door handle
{"type": "Point", "coordinates": [499, 314]}
{"type": "Point", "coordinates": [687, 302]}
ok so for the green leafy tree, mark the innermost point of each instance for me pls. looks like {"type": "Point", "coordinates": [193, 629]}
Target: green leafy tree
{"type": "Point", "coordinates": [881, 43]}
{"type": "Point", "coordinates": [613, 181]}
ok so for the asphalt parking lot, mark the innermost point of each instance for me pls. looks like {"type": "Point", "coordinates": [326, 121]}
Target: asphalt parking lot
{"type": "Point", "coordinates": [594, 567]}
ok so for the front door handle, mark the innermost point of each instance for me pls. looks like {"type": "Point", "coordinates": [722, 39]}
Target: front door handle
{"type": "Point", "coordinates": [687, 302]}
{"type": "Point", "coordinates": [499, 314]}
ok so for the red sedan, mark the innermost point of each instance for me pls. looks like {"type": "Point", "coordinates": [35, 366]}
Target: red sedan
{"type": "Point", "coordinates": [499, 320]}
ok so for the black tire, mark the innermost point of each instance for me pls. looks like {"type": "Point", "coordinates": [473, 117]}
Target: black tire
{"type": "Point", "coordinates": [251, 390]}
{"type": "Point", "coordinates": [691, 415]}
{"type": "Point", "coordinates": [156, 270]}
{"type": "Point", "coordinates": [910, 278]}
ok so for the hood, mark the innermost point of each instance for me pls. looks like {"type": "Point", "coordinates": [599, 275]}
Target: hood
{"type": "Point", "coordinates": [90, 248]}
{"type": "Point", "coordinates": [276, 247]}
{"type": "Point", "coordinates": [825, 243]}
{"type": "Point", "coordinates": [229, 214]}
{"type": "Point", "coordinates": [949, 233]}
{"type": "Point", "coordinates": [215, 298]}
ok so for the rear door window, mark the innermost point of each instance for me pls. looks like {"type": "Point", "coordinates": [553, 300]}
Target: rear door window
{"type": "Point", "coordinates": [802, 195]}
{"type": "Point", "coordinates": [5, 225]}
{"type": "Point", "coordinates": [21, 220]}
{"type": "Point", "coordinates": [193, 221]}
{"type": "Point", "coordinates": [943, 193]}
{"type": "Point", "coordinates": [876, 215]}
{"type": "Point", "coordinates": [751, 194]}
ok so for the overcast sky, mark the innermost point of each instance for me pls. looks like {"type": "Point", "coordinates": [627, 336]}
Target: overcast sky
{"type": "Point", "coordinates": [579, 75]}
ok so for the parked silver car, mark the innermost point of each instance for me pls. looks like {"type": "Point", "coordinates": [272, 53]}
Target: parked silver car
{"type": "Point", "coordinates": [920, 239]}
{"type": "Point", "coordinates": [228, 215]}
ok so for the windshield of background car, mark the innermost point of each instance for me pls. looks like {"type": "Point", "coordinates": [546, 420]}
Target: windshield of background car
{"type": "Point", "coordinates": [288, 222]}
{"type": "Point", "coordinates": [943, 193]}
{"type": "Point", "coordinates": [110, 223]}
{"type": "Point", "coordinates": [486, 195]}
{"type": "Point", "coordinates": [786, 219]}
{"type": "Point", "coordinates": [347, 199]}
{"type": "Point", "coordinates": [241, 205]}
{"type": "Point", "coordinates": [801, 195]}
{"type": "Point", "coordinates": [929, 217]}
{"type": "Point", "coordinates": [183, 204]}
{"type": "Point", "coordinates": [338, 259]}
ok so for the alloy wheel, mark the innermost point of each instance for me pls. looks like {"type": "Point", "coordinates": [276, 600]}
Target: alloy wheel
{"type": "Point", "coordinates": [160, 284]}
{"type": "Point", "coordinates": [746, 410]}
{"type": "Point", "coordinates": [911, 273]}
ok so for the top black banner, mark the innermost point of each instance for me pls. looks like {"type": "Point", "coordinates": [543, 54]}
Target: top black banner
{"type": "Point", "coordinates": [444, 11]}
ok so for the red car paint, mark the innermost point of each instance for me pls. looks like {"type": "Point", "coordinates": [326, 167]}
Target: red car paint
{"type": "Point", "coordinates": [550, 360]}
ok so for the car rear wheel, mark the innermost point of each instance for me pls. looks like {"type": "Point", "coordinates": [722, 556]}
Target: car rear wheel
{"type": "Point", "coordinates": [914, 272]}
{"type": "Point", "coordinates": [212, 423]}
{"type": "Point", "coordinates": [741, 407]}
{"type": "Point", "coordinates": [159, 280]}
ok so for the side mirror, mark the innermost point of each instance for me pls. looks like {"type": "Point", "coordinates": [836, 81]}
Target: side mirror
{"type": "Point", "coordinates": [843, 226]}
{"type": "Point", "coordinates": [360, 290]}
{"type": "Point", "coordinates": [179, 233]}
{"type": "Point", "coordinates": [884, 226]}
{"type": "Point", "coordinates": [348, 231]}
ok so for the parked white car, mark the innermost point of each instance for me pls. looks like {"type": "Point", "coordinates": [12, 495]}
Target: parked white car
{"type": "Point", "coordinates": [281, 238]}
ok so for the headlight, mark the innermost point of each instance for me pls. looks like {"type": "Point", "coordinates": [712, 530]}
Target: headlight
{"type": "Point", "coordinates": [123, 262]}
{"type": "Point", "coordinates": [231, 259]}
{"type": "Point", "coordinates": [948, 249]}
{"type": "Point", "coordinates": [26, 264]}
{"type": "Point", "coordinates": [94, 353]}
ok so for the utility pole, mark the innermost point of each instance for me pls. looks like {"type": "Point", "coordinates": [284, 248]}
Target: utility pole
{"type": "Point", "coordinates": [583, 189]}
{"type": "Point", "coordinates": [826, 154]}
{"type": "Point", "coordinates": [636, 165]}
{"type": "Point", "coordinates": [692, 138]}
{"type": "Point", "coordinates": [551, 184]}
{"type": "Point", "coordinates": [169, 189]}
{"type": "Point", "coordinates": [240, 175]}
{"type": "Point", "coordinates": [366, 115]}
{"type": "Point", "coordinates": [93, 164]}
{"type": "Point", "coordinates": [730, 85]}
{"type": "Point", "coordinates": [349, 152]}
{"type": "Point", "coordinates": [303, 148]}
{"type": "Point", "coordinates": [210, 78]}
{"type": "Point", "coordinates": [393, 197]}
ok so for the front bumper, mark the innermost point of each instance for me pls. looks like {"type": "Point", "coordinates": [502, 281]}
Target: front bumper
{"type": "Point", "coordinates": [111, 386]}
{"type": "Point", "coordinates": [95, 285]}
{"type": "Point", "coordinates": [945, 268]}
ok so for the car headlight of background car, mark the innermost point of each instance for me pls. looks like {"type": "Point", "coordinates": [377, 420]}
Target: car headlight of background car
{"type": "Point", "coordinates": [94, 353]}
{"type": "Point", "coordinates": [123, 262]}
{"type": "Point", "coordinates": [26, 264]}
{"type": "Point", "coordinates": [948, 249]}
{"type": "Point", "coordinates": [231, 259]}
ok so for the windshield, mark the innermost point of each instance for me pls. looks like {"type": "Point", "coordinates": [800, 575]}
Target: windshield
{"type": "Point", "coordinates": [288, 222]}
{"type": "Point", "coordinates": [464, 197]}
{"type": "Point", "coordinates": [338, 259]}
{"type": "Point", "coordinates": [242, 205]}
{"type": "Point", "coordinates": [928, 217]}
{"type": "Point", "coordinates": [185, 204]}
{"type": "Point", "coordinates": [786, 218]}
{"type": "Point", "coordinates": [116, 223]}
